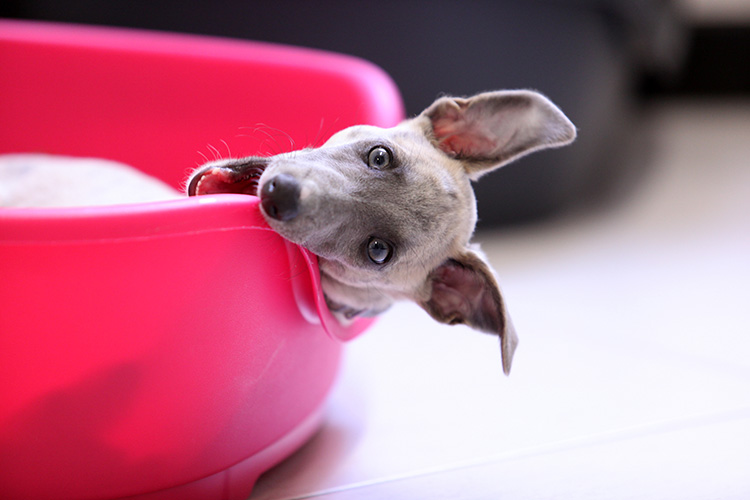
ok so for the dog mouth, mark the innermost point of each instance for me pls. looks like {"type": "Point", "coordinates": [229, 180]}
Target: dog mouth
{"type": "Point", "coordinates": [239, 178]}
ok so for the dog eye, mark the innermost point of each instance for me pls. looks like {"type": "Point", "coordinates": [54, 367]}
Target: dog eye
{"type": "Point", "coordinates": [379, 158]}
{"type": "Point", "coordinates": [378, 250]}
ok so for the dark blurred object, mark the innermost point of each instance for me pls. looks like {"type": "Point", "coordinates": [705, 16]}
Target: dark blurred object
{"type": "Point", "coordinates": [718, 64]}
{"type": "Point", "coordinates": [586, 55]}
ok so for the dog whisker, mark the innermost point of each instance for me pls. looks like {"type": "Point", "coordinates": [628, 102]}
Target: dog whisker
{"type": "Point", "coordinates": [215, 152]}
{"type": "Point", "coordinates": [273, 135]}
{"type": "Point", "coordinates": [229, 152]}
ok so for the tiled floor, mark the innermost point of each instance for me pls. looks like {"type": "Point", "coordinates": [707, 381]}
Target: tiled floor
{"type": "Point", "coordinates": [632, 378]}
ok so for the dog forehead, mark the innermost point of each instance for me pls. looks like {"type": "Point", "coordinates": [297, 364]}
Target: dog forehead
{"type": "Point", "coordinates": [371, 133]}
{"type": "Point", "coordinates": [409, 143]}
{"type": "Point", "coordinates": [354, 133]}
{"type": "Point", "coordinates": [428, 185]}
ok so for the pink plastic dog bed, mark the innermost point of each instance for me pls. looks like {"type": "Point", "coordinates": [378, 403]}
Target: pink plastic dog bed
{"type": "Point", "coordinates": [170, 350]}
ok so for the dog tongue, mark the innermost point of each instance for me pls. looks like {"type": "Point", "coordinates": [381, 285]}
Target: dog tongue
{"type": "Point", "coordinates": [226, 180]}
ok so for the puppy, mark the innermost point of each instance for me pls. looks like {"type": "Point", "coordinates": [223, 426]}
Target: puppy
{"type": "Point", "coordinates": [390, 212]}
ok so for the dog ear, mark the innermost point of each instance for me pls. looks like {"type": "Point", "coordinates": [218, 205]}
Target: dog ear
{"type": "Point", "coordinates": [463, 290]}
{"type": "Point", "coordinates": [493, 128]}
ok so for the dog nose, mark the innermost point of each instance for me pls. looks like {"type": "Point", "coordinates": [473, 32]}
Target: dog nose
{"type": "Point", "coordinates": [280, 197]}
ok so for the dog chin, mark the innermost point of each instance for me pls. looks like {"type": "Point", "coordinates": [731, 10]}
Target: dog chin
{"type": "Point", "coordinates": [346, 314]}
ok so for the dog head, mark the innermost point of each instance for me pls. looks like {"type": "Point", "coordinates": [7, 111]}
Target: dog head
{"type": "Point", "coordinates": [390, 212]}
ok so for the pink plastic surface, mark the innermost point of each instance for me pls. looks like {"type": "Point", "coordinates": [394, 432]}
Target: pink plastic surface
{"type": "Point", "coordinates": [174, 349]}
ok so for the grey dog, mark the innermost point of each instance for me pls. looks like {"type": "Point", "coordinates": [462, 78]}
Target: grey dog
{"type": "Point", "coordinates": [390, 212]}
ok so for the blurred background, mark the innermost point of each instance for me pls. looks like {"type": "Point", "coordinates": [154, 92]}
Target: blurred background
{"type": "Point", "coordinates": [624, 258]}
{"type": "Point", "coordinates": [600, 60]}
